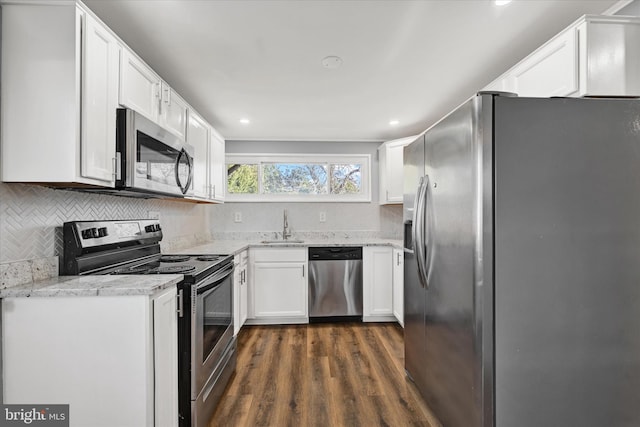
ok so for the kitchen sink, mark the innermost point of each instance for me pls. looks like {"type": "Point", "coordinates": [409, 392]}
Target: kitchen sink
{"type": "Point", "coordinates": [279, 241]}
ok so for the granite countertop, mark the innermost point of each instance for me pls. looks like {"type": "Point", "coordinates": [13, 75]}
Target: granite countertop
{"type": "Point", "coordinates": [233, 247]}
{"type": "Point", "coordinates": [67, 286]}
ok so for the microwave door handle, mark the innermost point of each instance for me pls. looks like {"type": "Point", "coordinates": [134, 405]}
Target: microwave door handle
{"type": "Point", "coordinates": [190, 178]}
{"type": "Point", "coordinates": [184, 188]}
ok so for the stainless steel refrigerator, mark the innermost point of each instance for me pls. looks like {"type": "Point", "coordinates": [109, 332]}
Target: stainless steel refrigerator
{"type": "Point", "coordinates": [522, 263]}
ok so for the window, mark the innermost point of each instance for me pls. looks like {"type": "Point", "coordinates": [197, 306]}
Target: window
{"type": "Point", "coordinates": [299, 177]}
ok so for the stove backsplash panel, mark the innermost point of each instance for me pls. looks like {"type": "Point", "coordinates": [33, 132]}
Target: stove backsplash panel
{"type": "Point", "coordinates": [31, 219]}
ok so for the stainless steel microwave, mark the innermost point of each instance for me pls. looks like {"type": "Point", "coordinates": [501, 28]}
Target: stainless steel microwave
{"type": "Point", "coordinates": [151, 160]}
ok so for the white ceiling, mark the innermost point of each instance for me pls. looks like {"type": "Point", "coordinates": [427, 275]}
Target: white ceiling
{"type": "Point", "coordinates": [413, 61]}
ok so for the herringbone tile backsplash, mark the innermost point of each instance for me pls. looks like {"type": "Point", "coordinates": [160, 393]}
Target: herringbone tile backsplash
{"type": "Point", "coordinates": [31, 217]}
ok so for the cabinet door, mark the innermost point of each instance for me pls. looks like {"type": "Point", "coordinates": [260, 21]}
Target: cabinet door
{"type": "Point", "coordinates": [394, 191]}
{"type": "Point", "coordinates": [244, 271]}
{"type": "Point", "coordinates": [100, 76]}
{"type": "Point", "coordinates": [139, 87]}
{"type": "Point", "coordinates": [243, 295]}
{"type": "Point", "coordinates": [552, 70]}
{"type": "Point", "coordinates": [280, 289]}
{"type": "Point", "coordinates": [165, 350]}
{"type": "Point", "coordinates": [173, 111]}
{"type": "Point", "coordinates": [217, 167]}
{"type": "Point", "coordinates": [237, 281]}
{"type": "Point", "coordinates": [377, 289]}
{"type": "Point", "coordinates": [198, 137]}
{"type": "Point", "coordinates": [398, 285]}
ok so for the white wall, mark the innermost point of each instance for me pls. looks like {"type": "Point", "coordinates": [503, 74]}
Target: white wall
{"type": "Point", "coordinates": [344, 219]}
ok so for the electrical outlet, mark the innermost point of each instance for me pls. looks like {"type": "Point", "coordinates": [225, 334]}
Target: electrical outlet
{"type": "Point", "coordinates": [154, 215]}
{"type": "Point", "coordinates": [323, 216]}
{"type": "Point", "coordinates": [237, 217]}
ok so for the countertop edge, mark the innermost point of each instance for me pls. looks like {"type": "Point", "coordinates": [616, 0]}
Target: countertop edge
{"type": "Point", "coordinates": [234, 247]}
{"type": "Point", "coordinates": [101, 286]}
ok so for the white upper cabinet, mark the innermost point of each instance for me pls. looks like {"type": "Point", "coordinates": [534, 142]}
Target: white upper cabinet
{"type": "Point", "coordinates": [173, 112]}
{"type": "Point", "coordinates": [139, 87]}
{"type": "Point", "coordinates": [209, 173]}
{"type": "Point", "coordinates": [595, 56]}
{"type": "Point", "coordinates": [142, 90]}
{"type": "Point", "coordinates": [198, 137]}
{"type": "Point", "coordinates": [217, 167]}
{"type": "Point", "coordinates": [59, 95]}
{"type": "Point", "coordinates": [390, 166]}
{"type": "Point", "coordinates": [100, 69]}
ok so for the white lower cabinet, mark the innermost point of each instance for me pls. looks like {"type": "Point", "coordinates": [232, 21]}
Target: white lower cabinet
{"type": "Point", "coordinates": [398, 285]}
{"type": "Point", "coordinates": [278, 287]}
{"type": "Point", "coordinates": [377, 292]}
{"type": "Point", "coordinates": [240, 291]}
{"type": "Point", "coordinates": [113, 359]}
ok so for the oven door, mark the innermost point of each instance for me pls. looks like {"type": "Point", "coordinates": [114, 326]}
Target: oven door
{"type": "Point", "coordinates": [212, 325]}
{"type": "Point", "coordinates": [152, 159]}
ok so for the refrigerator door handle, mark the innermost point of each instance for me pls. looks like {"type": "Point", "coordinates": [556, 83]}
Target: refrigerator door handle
{"type": "Point", "coordinates": [418, 230]}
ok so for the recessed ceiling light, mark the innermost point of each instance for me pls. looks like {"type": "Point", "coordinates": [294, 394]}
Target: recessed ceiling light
{"type": "Point", "coordinates": [502, 2]}
{"type": "Point", "coordinates": [394, 122]}
{"type": "Point", "coordinates": [331, 62]}
{"type": "Point", "coordinates": [245, 121]}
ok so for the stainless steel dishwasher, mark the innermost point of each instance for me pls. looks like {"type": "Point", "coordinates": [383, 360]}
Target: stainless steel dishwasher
{"type": "Point", "coordinates": [335, 283]}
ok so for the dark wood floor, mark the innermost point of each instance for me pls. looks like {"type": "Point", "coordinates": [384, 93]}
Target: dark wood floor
{"type": "Point", "coordinates": [344, 374]}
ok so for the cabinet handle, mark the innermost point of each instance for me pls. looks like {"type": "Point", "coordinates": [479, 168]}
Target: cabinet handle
{"type": "Point", "coordinates": [159, 96]}
{"type": "Point", "coordinates": [387, 195]}
{"type": "Point", "coordinates": [168, 92]}
{"type": "Point", "coordinates": [302, 270]}
{"type": "Point", "coordinates": [214, 191]}
{"type": "Point", "coordinates": [398, 255]}
{"type": "Point", "coordinates": [114, 167]}
{"type": "Point", "coordinates": [180, 303]}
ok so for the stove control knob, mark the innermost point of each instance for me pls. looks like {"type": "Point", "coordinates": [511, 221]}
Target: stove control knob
{"type": "Point", "coordinates": [86, 234]}
{"type": "Point", "coordinates": [94, 232]}
{"type": "Point", "coordinates": [148, 228]}
{"type": "Point", "coordinates": [102, 232]}
{"type": "Point", "coordinates": [157, 227]}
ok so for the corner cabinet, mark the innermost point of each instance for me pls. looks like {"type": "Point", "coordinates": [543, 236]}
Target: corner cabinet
{"type": "Point", "coordinates": [58, 119]}
{"type": "Point", "coordinates": [391, 164]}
{"type": "Point", "coordinates": [112, 358]}
{"type": "Point", "coordinates": [377, 291]}
{"type": "Point", "coordinates": [279, 287]}
{"type": "Point", "coordinates": [595, 56]}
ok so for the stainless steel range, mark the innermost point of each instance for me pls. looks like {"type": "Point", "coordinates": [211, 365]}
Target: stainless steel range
{"type": "Point", "coordinates": [207, 348]}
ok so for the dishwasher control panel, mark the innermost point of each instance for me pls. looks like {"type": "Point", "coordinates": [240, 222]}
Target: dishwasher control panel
{"type": "Point", "coordinates": [335, 252]}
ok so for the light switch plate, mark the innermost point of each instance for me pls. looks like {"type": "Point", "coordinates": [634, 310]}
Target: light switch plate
{"type": "Point", "coordinates": [323, 216]}
{"type": "Point", "coordinates": [237, 217]}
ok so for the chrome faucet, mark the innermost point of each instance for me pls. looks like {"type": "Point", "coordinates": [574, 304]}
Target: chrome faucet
{"type": "Point", "coordinates": [286, 233]}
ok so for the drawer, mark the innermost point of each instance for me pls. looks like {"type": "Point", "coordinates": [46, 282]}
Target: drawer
{"type": "Point", "coordinates": [279, 254]}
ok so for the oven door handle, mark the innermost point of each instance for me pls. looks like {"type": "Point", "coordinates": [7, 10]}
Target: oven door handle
{"type": "Point", "coordinates": [217, 278]}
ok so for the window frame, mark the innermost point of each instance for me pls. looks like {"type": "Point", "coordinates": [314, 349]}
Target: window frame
{"type": "Point", "coordinates": [301, 158]}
